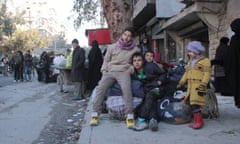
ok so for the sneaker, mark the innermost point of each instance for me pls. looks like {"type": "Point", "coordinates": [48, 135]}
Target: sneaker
{"type": "Point", "coordinates": [140, 126]}
{"type": "Point", "coordinates": [94, 119]}
{"type": "Point", "coordinates": [153, 124]}
{"type": "Point", "coordinates": [130, 120]}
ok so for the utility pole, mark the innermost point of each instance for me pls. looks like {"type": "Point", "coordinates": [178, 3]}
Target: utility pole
{"type": "Point", "coordinates": [29, 16]}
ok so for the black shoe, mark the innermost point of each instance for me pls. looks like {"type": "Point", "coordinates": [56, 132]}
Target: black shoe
{"type": "Point", "coordinates": [65, 91]}
{"type": "Point", "coordinates": [153, 125]}
{"type": "Point", "coordinates": [78, 98]}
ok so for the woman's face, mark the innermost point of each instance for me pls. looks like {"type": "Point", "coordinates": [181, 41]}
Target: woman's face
{"type": "Point", "coordinates": [137, 63]}
{"type": "Point", "coordinates": [145, 41]}
{"type": "Point", "coordinates": [126, 36]}
{"type": "Point", "coordinates": [148, 57]}
{"type": "Point", "coordinates": [192, 54]}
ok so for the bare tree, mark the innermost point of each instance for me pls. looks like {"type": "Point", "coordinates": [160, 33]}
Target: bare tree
{"type": "Point", "coordinates": [117, 13]}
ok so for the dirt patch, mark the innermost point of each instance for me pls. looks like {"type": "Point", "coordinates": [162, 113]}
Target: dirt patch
{"type": "Point", "coordinates": [66, 121]}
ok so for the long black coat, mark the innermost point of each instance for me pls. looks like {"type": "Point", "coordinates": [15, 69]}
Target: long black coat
{"type": "Point", "coordinates": [232, 67]}
{"type": "Point", "coordinates": [221, 85]}
{"type": "Point", "coordinates": [78, 60]}
{"type": "Point", "coordinates": [95, 59]}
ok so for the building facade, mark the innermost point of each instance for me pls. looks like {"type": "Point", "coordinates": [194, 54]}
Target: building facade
{"type": "Point", "coordinates": [177, 22]}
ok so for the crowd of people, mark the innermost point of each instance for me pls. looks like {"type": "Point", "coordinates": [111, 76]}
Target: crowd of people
{"type": "Point", "coordinates": [124, 62]}
{"type": "Point", "coordinates": [21, 64]}
{"type": "Point", "coordinates": [25, 67]}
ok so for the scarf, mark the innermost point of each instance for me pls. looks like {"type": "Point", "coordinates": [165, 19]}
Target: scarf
{"type": "Point", "coordinates": [194, 61]}
{"type": "Point", "coordinates": [126, 46]}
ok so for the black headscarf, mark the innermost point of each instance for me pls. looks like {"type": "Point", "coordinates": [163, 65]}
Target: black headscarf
{"type": "Point", "coordinates": [235, 25]}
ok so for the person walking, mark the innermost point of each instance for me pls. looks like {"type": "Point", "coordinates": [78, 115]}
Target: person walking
{"type": "Point", "coordinates": [95, 59]}
{"type": "Point", "coordinates": [21, 66]}
{"type": "Point", "coordinates": [232, 65]}
{"type": "Point", "coordinates": [28, 62]}
{"type": "Point", "coordinates": [117, 67]}
{"type": "Point", "coordinates": [197, 76]}
{"type": "Point", "coordinates": [17, 60]}
{"type": "Point", "coordinates": [77, 70]}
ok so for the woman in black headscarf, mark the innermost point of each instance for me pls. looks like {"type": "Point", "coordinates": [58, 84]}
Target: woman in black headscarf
{"type": "Point", "coordinates": [232, 67]}
{"type": "Point", "coordinates": [95, 59]}
{"type": "Point", "coordinates": [219, 73]}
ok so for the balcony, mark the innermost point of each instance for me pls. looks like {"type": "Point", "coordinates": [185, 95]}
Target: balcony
{"type": "Point", "coordinates": [189, 2]}
{"type": "Point", "coordinates": [144, 10]}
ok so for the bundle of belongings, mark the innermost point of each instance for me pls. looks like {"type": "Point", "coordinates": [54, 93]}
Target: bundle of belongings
{"type": "Point", "coordinates": [59, 61]}
{"type": "Point", "coordinates": [173, 110]}
{"type": "Point", "coordinates": [210, 109]}
{"type": "Point", "coordinates": [115, 102]}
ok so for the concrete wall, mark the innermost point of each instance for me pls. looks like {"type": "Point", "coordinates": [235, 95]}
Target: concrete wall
{"type": "Point", "coordinates": [225, 19]}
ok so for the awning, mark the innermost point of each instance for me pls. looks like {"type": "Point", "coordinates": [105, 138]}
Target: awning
{"type": "Point", "coordinates": [194, 18]}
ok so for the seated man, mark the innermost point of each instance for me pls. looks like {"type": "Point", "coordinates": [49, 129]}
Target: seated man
{"type": "Point", "coordinates": [153, 77]}
{"type": "Point", "coordinates": [116, 67]}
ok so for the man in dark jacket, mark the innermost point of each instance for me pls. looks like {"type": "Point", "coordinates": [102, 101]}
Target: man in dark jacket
{"type": "Point", "coordinates": [28, 66]}
{"type": "Point", "coordinates": [77, 72]}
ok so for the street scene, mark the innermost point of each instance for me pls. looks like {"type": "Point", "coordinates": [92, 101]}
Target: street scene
{"type": "Point", "coordinates": [37, 113]}
{"type": "Point", "coordinates": [113, 72]}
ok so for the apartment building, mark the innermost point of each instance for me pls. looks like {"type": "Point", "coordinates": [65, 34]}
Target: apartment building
{"type": "Point", "coordinates": [172, 24]}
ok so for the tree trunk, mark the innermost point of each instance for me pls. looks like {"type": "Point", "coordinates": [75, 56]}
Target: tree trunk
{"type": "Point", "coordinates": [118, 14]}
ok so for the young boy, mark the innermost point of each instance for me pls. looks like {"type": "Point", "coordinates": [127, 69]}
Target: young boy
{"type": "Point", "coordinates": [152, 77]}
{"type": "Point", "coordinates": [117, 67]}
{"type": "Point", "coordinates": [155, 75]}
{"type": "Point", "coordinates": [197, 76]}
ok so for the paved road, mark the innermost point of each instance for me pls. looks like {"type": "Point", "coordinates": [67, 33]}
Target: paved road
{"type": "Point", "coordinates": [24, 110]}
{"type": "Point", "coordinates": [6, 80]}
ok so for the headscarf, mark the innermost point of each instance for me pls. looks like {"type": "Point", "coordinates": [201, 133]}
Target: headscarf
{"type": "Point", "coordinates": [235, 25]}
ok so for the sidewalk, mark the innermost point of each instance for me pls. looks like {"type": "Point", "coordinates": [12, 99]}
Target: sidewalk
{"type": "Point", "coordinates": [224, 130]}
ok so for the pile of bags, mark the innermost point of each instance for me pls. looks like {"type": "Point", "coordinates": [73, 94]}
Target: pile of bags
{"type": "Point", "coordinates": [60, 61]}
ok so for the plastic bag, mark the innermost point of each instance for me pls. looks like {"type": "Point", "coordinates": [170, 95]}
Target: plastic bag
{"type": "Point", "coordinates": [116, 106]}
{"type": "Point", "coordinates": [177, 113]}
{"type": "Point", "coordinates": [59, 61]}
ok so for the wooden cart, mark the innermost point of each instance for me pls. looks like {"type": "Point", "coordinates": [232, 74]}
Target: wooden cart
{"type": "Point", "coordinates": [64, 77]}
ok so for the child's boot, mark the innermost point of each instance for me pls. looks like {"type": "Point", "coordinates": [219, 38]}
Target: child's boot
{"type": "Point", "coordinates": [197, 122]}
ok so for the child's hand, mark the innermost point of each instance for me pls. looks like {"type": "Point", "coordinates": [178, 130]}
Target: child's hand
{"type": "Point", "coordinates": [201, 87]}
{"type": "Point", "coordinates": [178, 87]}
{"type": "Point", "coordinates": [201, 90]}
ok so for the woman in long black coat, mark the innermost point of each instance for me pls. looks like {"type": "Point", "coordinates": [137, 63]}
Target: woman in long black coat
{"type": "Point", "coordinates": [95, 59]}
{"type": "Point", "coordinates": [219, 72]}
{"type": "Point", "coordinates": [233, 65]}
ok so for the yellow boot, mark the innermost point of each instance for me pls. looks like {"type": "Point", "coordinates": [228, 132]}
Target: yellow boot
{"type": "Point", "coordinates": [94, 119]}
{"type": "Point", "coordinates": [130, 120]}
